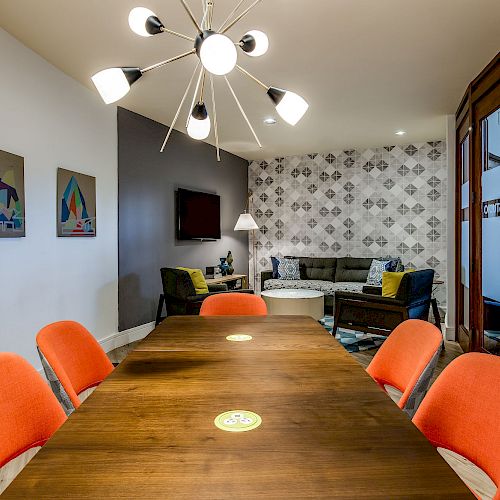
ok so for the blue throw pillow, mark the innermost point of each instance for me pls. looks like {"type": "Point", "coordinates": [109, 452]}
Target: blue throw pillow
{"type": "Point", "coordinates": [285, 269]}
{"type": "Point", "coordinates": [377, 268]}
{"type": "Point", "coordinates": [275, 262]}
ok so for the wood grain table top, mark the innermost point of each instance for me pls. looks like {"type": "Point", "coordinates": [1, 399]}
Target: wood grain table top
{"type": "Point", "coordinates": [327, 429]}
{"type": "Point", "coordinates": [204, 333]}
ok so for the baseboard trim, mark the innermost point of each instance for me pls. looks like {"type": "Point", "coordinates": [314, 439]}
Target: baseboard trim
{"type": "Point", "coordinates": [120, 339]}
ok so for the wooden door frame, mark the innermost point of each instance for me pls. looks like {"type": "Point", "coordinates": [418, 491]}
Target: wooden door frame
{"type": "Point", "coordinates": [480, 100]}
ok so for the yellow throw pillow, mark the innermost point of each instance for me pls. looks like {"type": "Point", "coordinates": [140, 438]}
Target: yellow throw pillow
{"type": "Point", "coordinates": [199, 283]}
{"type": "Point", "coordinates": [391, 282]}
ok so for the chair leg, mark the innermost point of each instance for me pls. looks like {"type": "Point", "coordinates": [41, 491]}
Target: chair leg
{"type": "Point", "coordinates": [161, 303]}
{"type": "Point", "coordinates": [336, 318]}
{"type": "Point", "coordinates": [435, 312]}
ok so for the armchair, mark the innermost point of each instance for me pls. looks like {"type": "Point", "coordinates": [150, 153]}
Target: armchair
{"type": "Point", "coordinates": [372, 313]}
{"type": "Point", "coordinates": [179, 294]}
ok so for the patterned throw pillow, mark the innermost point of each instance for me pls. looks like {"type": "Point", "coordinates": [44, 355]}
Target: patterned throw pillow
{"type": "Point", "coordinates": [396, 265]}
{"type": "Point", "coordinates": [377, 268]}
{"type": "Point", "coordinates": [285, 269]}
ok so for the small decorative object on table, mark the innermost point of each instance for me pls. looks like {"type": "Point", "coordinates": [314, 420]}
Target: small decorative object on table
{"type": "Point", "coordinates": [230, 261]}
{"type": "Point", "coordinates": [223, 266]}
{"type": "Point", "coordinates": [210, 272]}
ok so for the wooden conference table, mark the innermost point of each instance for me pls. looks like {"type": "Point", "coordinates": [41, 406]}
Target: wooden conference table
{"type": "Point", "coordinates": [327, 429]}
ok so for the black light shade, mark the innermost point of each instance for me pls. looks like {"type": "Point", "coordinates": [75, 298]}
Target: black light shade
{"type": "Point", "coordinates": [154, 25]}
{"type": "Point", "coordinates": [200, 111]}
{"type": "Point", "coordinates": [248, 43]}
{"type": "Point", "coordinates": [276, 94]}
{"type": "Point", "coordinates": [132, 74]}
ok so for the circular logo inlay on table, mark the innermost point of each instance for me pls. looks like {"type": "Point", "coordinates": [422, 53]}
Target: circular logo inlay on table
{"type": "Point", "coordinates": [239, 338]}
{"type": "Point", "coordinates": [237, 421]}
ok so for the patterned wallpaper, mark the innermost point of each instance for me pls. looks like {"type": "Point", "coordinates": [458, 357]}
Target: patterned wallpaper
{"type": "Point", "coordinates": [361, 203]}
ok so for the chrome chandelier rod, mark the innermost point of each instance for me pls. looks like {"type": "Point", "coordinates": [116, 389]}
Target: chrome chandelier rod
{"type": "Point", "coordinates": [167, 61]}
{"type": "Point", "coordinates": [241, 16]}
{"type": "Point", "coordinates": [240, 107]}
{"type": "Point", "coordinates": [191, 16]}
{"type": "Point", "coordinates": [230, 15]}
{"type": "Point", "coordinates": [179, 109]}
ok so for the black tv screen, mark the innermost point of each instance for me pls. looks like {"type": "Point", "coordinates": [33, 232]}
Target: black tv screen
{"type": "Point", "coordinates": [198, 215]}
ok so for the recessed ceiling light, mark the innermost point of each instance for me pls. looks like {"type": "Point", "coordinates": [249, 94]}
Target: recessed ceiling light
{"type": "Point", "coordinates": [400, 132]}
{"type": "Point", "coordinates": [270, 121]}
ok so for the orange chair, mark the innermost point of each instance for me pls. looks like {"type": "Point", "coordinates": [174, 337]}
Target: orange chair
{"type": "Point", "coordinates": [29, 412]}
{"type": "Point", "coordinates": [73, 361]}
{"type": "Point", "coordinates": [461, 412]}
{"type": "Point", "coordinates": [406, 361]}
{"type": "Point", "coordinates": [233, 304]}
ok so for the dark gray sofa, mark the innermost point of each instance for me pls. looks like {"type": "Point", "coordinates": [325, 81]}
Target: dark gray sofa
{"type": "Point", "coordinates": [327, 275]}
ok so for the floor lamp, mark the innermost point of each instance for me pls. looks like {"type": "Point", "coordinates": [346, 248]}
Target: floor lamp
{"type": "Point", "coordinates": [247, 223]}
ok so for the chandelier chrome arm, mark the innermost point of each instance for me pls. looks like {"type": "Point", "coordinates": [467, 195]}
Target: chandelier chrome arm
{"type": "Point", "coordinates": [195, 95]}
{"type": "Point", "coordinates": [243, 14]}
{"type": "Point", "coordinates": [191, 16]}
{"type": "Point", "coordinates": [243, 112]}
{"type": "Point", "coordinates": [230, 15]}
{"type": "Point", "coordinates": [179, 108]}
{"type": "Point", "coordinates": [216, 131]}
{"type": "Point", "coordinates": [255, 79]}
{"type": "Point", "coordinates": [163, 63]}
{"type": "Point", "coordinates": [180, 35]}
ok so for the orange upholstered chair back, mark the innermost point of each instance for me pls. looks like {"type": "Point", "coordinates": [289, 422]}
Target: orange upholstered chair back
{"type": "Point", "coordinates": [406, 361]}
{"type": "Point", "coordinates": [461, 411]}
{"type": "Point", "coordinates": [29, 412]}
{"type": "Point", "coordinates": [233, 304]}
{"type": "Point", "coordinates": [75, 357]}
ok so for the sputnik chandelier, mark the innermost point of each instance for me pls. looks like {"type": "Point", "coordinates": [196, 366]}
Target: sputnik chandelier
{"type": "Point", "coordinates": [217, 55]}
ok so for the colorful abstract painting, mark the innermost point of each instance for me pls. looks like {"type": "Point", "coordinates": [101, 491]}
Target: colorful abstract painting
{"type": "Point", "coordinates": [76, 205]}
{"type": "Point", "coordinates": [12, 224]}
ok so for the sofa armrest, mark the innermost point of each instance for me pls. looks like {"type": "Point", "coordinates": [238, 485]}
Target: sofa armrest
{"type": "Point", "coordinates": [264, 276]}
{"type": "Point", "coordinates": [217, 287]}
{"type": "Point", "coordinates": [373, 290]}
{"type": "Point", "coordinates": [368, 298]}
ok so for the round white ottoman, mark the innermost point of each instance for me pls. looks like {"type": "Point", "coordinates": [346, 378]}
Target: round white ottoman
{"type": "Point", "coordinates": [288, 301]}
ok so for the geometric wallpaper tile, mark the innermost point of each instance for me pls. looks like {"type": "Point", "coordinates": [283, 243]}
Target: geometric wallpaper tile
{"type": "Point", "coordinates": [361, 203]}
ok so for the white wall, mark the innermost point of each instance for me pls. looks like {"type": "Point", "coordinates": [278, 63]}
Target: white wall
{"type": "Point", "coordinates": [53, 121]}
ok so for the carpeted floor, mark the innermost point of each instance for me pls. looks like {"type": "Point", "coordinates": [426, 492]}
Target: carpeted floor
{"type": "Point", "coordinates": [351, 340]}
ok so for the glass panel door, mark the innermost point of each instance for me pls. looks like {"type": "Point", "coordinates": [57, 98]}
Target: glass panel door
{"type": "Point", "coordinates": [490, 186]}
{"type": "Point", "coordinates": [465, 228]}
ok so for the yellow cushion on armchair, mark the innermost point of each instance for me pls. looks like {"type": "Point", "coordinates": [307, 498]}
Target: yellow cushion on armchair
{"type": "Point", "coordinates": [391, 282]}
{"type": "Point", "coordinates": [199, 283]}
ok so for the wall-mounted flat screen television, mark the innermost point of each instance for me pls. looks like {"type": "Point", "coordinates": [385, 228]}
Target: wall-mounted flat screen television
{"type": "Point", "coordinates": [198, 215]}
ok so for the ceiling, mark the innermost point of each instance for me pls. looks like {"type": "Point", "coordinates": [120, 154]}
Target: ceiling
{"type": "Point", "coordinates": [367, 68]}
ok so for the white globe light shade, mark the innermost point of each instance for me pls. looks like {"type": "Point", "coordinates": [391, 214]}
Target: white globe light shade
{"type": "Point", "coordinates": [112, 84]}
{"type": "Point", "coordinates": [218, 54]}
{"type": "Point", "coordinates": [198, 129]}
{"type": "Point", "coordinates": [137, 20]}
{"type": "Point", "coordinates": [245, 223]}
{"type": "Point", "coordinates": [292, 108]}
{"type": "Point", "coordinates": [261, 43]}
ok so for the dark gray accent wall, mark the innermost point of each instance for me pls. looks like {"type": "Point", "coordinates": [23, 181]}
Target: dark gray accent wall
{"type": "Point", "coordinates": [147, 180]}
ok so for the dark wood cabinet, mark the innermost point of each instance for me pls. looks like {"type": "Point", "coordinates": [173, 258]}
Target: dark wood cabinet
{"type": "Point", "coordinates": [477, 228]}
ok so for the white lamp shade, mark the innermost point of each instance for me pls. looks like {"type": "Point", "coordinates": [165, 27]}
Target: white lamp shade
{"type": "Point", "coordinates": [245, 223]}
{"type": "Point", "coordinates": [137, 20]}
{"type": "Point", "coordinates": [218, 54]}
{"type": "Point", "coordinates": [198, 129]}
{"type": "Point", "coordinates": [112, 84]}
{"type": "Point", "coordinates": [261, 43]}
{"type": "Point", "coordinates": [292, 107]}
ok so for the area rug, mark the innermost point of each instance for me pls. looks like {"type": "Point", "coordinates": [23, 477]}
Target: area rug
{"type": "Point", "coordinates": [353, 341]}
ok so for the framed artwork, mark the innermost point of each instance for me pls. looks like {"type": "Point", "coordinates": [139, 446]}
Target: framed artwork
{"type": "Point", "coordinates": [12, 204]}
{"type": "Point", "coordinates": [76, 204]}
